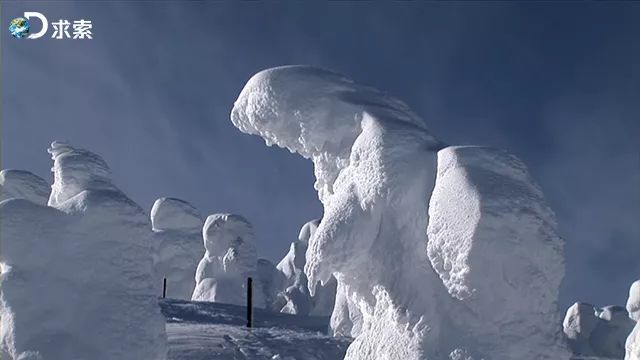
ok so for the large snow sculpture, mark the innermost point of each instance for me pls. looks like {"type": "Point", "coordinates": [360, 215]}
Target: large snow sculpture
{"type": "Point", "coordinates": [177, 228]}
{"type": "Point", "coordinates": [23, 184]}
{"type": "Point", "coordinates": [230, 258]}
{"type": "Point", "coordinates": [375, 167]}
{"type": "Point", "coordinates": [77, 275]}
{"type": "Point", "coordinates": [493, 242]}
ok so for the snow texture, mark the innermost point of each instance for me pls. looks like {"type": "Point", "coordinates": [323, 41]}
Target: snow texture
{"type": "Point", "coordinates": [23, 185]}
{"type": "Point", "coordinates": [177, 227]}
{"type": "Point", "coordinates": [494, 244]}
{"type": "Point", "coordinates": [632, 344]}
{"type": "Point", "coordinates": [230, 258]}
{"type": "Point", "coordinates": [597, 332]}
{"type": "Point", "coordinates": [203, 331]}
{"type": "Point", "coordinates": [375, 164]}
{"type": "Point", "coordinates": [77, 275]}
{"type": "Point", "coordinates": [295, 289]}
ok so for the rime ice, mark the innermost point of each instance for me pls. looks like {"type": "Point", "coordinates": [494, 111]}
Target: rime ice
{"type": "Point", "coordinates": [77, 278]}
{"type": "Point", "coordinates": [375, 164]}
{"type": "Point", "coordinates": [229, 259]}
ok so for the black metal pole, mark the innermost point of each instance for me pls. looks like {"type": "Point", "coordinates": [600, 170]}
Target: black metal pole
{"type": "Point", "coordinates": [249, 302]}
{"type": "Point", "coordinates": [164, 288]}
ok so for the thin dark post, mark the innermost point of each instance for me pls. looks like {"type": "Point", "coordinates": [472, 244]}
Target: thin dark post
{"type": "Point", "coordinates": [249, 302]}
{"type": "Point", "coordinates": [164, 288]}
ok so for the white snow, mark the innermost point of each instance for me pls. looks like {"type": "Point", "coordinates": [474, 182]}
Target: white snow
{"type": "Point", "coordinates": [230, 258]}
{"type": "Point", "coordinates": [77, 276]}
{"type": "Point", "coordinates": [24, 185]}
{"type": "Point", "coordinates": [203, 331]}
{"type": "Point", "coordinates": [632, 343]}
{"type": "Point", "coordinates": [375, 167]}
{"type": "Point", "coordinates": [177, 227]}
{"type": "Point", "coordinates": [494, 244]}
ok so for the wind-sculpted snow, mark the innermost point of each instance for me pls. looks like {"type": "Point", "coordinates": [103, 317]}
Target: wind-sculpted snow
{"type": "Point", "coordinates": [375, 167]}
{"type": "Point", "coordinates": [23, 185]}
{"type": "Point", "coordinates": [177, 227]}
{"type": "Point", "coordinates": [77, 276]}
{"type": "Point", "coordinates": [230, 258]}
{"type": "Point", "coordinates": [493, 242]}
{"type": "Point", "coordinates": [295, 289]}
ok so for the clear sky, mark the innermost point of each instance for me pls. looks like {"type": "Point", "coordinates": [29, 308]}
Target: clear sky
{"type": "Point", "coordinates": [557, 84]}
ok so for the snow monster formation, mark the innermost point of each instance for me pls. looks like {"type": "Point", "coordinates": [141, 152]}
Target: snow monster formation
{"type": "Point", "coordinates": [420, 295]}
{"type": "Point", "coordinates": [230, 258]}
{"type": "Point", "coordinates": [295, 292]}
{"type": "Point", "coordinates": [23, 185]}
{"type": "Point", "coordinates": [91, 247]}
{"type": "Point", "coordinates": [177, 228]}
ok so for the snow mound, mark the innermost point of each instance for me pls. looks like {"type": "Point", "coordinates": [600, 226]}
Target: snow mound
{"type": "Point", "coordinates": [175, 214]}
{"type": "Point", "coordinates": [597, 332]}
{"type": "Point", "coordinates": [485, 206]}
{"type": "Point", "coordinates": [178, 245]}
{"type": "Point", "coordinates": [91, 248]}
{"type": "Point", "coordinates": [24, 185]}
{"type": "Point", "coordinates": [375, 164]}
{"type": "Point", "coordinates": [230, 258]}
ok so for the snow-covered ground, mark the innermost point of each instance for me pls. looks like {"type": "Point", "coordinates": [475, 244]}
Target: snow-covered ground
{"type": "Point", "coordinates": [205, 331]}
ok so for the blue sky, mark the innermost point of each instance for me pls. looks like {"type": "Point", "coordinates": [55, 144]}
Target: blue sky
{"type": "Point", "coordinates": [554, 83]}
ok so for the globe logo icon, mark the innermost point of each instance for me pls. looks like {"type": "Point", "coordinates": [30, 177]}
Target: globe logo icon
{"type": "Point", "coordinates": [19, 27]}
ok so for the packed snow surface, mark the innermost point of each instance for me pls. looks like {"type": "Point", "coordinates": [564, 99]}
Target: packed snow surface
{"type": "Point", "coordinates": [204, 331]}
{"type": "Point", "coordinates": [230, 258]}
{"type": "Point", "coordinates": [77, 275]}
{"type": "Point", "coordinates": [177, 240]}
{"type": "Point", "coordinates": [375, 164]}
{"type": "Point", "coordinates": [23, 185]}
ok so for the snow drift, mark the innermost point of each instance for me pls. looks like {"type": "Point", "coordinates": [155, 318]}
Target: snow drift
{"type": "Point", "coordinates": [177, 227]}
{"type": "Point", "coordinates": [375, 164]}
{"type": "Point", "coordinates": [23, 185]}
{"type": "Point", "coordinates": [230, 258]}
{"type": "Point", "coordinates": [77, 275]}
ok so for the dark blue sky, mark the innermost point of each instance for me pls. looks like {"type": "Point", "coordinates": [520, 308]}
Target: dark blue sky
{"type": "Point", "coordinates": [555, 83]}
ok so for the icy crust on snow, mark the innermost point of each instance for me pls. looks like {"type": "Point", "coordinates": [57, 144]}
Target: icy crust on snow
{"type": "Point", "coordinates": [230, 258]}
{"type": "Point", "coordinates": [91, 249]}
{"type": "Point", "coordinates": [177, 241]}
{"type": "Point", "coordinates": [375, 164]}
{"type": "Point", "coordinates": [597, 332]}
{"type": "Point", "coordinates": [24, 185]}
{"type": "Point", "coordinates": [494, 244]}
